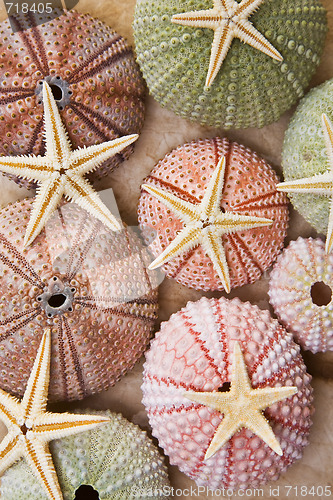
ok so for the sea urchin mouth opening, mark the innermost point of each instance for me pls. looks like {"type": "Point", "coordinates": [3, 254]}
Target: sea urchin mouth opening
{"type": "Point", "coordinates": [57, 92]}
{"type": "Point", "coordinates": [57, 297]}
{"type": "Point", "coordinates": [225, 387]}
{"type": "Point", "coordinates": [86, 492]}
{"type": "Point", "coordinates": [60, 90]}
{"type": "Point", "coordinates": [57, 300]}
{"type": "Point", "coordinates": [321, 293]}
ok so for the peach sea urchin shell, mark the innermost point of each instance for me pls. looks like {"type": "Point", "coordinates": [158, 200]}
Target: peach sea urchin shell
{"type": "Point", "coordinates": [89, 284]}
{"type": "Point", "coordinates": [91, 69]}
{"type": "Point", "coordinates": [193, 352]}
{"type": "Point", "coordinates": [249, 189]}
{"type": "Point", "coordinates": [300, 290]}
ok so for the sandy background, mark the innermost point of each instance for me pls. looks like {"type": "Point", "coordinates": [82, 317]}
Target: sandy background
{"type": "Point", "coordinates": [162, 132]}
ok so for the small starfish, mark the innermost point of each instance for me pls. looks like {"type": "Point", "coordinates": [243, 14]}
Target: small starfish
{"type": "Point", "coordinates": [31, 427]}
{"type": "Point", "coordinates": [320, 183]}
{"type": "Point", "coordinates": [229, 20]}
{"type": "Point", "coordinates": [60, 172]}
{"type": "Point", "coordinates": [204, 224]}
{"type": "Point", "coordinates": [242, 406]}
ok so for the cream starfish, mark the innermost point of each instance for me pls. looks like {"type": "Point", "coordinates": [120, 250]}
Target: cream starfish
{"type": "Point", "coordinates": [60, 172]}
{"type": "Point", "coordinates": [242, 406]}
{"type": "Point", "coordinates": [320, 183]}
{"type": "Point", "coordinates": [31, 427]}
{"type": "Point", "coordinates": [204, 224]}
{"type": "Point", "coordinates": [229, 20]}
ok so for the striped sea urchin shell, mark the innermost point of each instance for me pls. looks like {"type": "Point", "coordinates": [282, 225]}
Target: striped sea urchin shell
{"type": "Point", "coordinates": [88, 284]}
{"type": "Point", "coordinates": [93, 75]}
{"type": "Point", "coordinates": [193, 352]}
{"type": "Point", "coordinates": [249, 189]}
{"type": "Point", "coordinates": [115, 461]}
{"type": "Point", "coordinates": [300, 291]}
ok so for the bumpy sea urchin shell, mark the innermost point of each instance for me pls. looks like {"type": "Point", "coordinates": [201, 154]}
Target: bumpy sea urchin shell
{"type": "Point", "coordinates": [115, 461]}
{"type": "Point", "coordinates": [251, 89]}
{"type": "Point", "coordinates": [249, 189]}
{"type": "Point", "coordinates": [93, 75]}
{"type": "Point", "coordinates": [193, 352]}
{"type": "Point", "coordinates": [300, 291]}
{"type": "Point", "coordinates": [89, 284]}
{"type": "Point", "coordinates": [304, 153]}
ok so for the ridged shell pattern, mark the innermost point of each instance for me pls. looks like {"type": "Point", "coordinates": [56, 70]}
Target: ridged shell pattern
{"type": "Point", "coordinates": [96, 81]}
{"type": "Point", "coordinates": [304, 153]}
{"type": "Point", "coordinates": [193, 351]}
{"type": "Point", "coordinates": [251, 89]}
{"type": "Point", "coordinates": [88, 284]}
{"type": "Point", "coordinates": [301, 266]}
{"type": "Point", "coordinates": [249, 189]}
{"type": "Point", "coordinates": [118, 460]}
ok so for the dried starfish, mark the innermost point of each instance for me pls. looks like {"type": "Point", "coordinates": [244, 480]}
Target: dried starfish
{"type": "Point", "coordinates": [31, 427]}
{"type": "Point", "coordinates": [320, 183]}
{"type": "Point", "coordinates": [204, 224]}
{"type": "Point", "coordinates": [229, 20]}
{"type": "Point", "coordinates": [60, 172]}
{"type": "Point", "coordinates": [242, 406]}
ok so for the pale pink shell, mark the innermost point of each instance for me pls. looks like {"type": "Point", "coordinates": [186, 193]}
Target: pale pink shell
{"type": "Point", "coordinates": [193, 351]}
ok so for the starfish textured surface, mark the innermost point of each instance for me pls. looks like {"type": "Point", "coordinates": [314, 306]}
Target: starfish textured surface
{"type": "Point", "coordinates": [320, 183]}
{"type": "Point", "coordinates": [204, 224]}
{"type": "Point", "coordinates": [31, 427]}
{"type": "Point", "coordinates": [229, 20]}
{"type": "Point", "coordinates": [60, 172]}
{"type": "Point", "coordinates": [242, 406]}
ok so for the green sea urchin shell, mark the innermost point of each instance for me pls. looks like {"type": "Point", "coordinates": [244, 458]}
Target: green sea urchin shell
{"type": "Point", "coordinates": [117, 460]}
{"type": "Point", "coordinates": [251, 89]}
{"type": "Point", "coordinates": [304, 153]}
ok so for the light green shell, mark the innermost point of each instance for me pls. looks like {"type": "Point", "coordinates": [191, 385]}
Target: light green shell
{"type": "Point", "coordinates": [304, 152]}
{"type": "Point", "coordinates": [117, 459]}
{"type": "Point", "coordinates": [251, 89]}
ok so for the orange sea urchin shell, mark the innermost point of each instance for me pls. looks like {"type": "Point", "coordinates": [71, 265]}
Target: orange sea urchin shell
{"type": "Point", "coordinates": [88, 284]}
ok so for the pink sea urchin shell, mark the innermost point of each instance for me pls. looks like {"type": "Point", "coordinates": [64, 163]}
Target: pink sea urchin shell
{"type": "Point", "coordinates": [194, 351]}
{"type": "Point", "coordinates": [93, 74]}
{"type": "Point", "coordinates": [300, 291]}
{"type": "Point", "coordinates": [88, 284]}
{"type": "Point", "coordinates": [249, 189]}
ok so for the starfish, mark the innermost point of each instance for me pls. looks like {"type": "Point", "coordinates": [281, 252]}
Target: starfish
{"type": "Point", "coordinates": [242, 406]}
{"type": "Point", "coordinates": [31, 427]}
{"type": "Point", "coordinates": [204, 224]}
{"type": "Point", "coordinates": [229, 20]}
{"type": "Point", "coordinates": [60, 172]}
{"type": "Point", "coordinates": [320, 183]}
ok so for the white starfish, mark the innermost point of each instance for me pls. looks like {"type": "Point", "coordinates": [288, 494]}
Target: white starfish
{"type": "Point", "coordinates": [229, 20]}
{"type": "Point", "coordinates": [242, 406]}
{"type": "Point", "coordinates": [320, 183]}
{"type": "Point", "coordinates": [204, 224]}
{"type": "Point", "coordinates": [60, 172]}
{"type": "Point", "coordinates": [31, 427]}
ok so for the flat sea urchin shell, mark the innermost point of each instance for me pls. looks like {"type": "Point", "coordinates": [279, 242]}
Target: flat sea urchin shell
{"type": "Point", "coordinates": [115, 461]}
{"type": "Point", "coordinates": [249, 189]}
{"type": "Point", "coordinates": [300, 291]}
{"type": "Point", "coordinates": [251, 89]}
{"type": "Point", "coordinates": [93, 75]}
{"type": "Point", "coordinates": [193, 352]}
{"type": "Point", "coordinates": [89, 284]}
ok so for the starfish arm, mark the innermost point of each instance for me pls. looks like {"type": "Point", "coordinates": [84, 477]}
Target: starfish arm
{"type": "Point", "coordinates": [223, 36]}
{"type": "Point", "coordinates": [216, 400]}
{"type": "Point", "coordinates": [260, 426]}
{"type": "Point", "coordinates": [230, 222]}
{"type": "Point", "coordinates": [329, 235]}
{"type": "Point", "coordinates": [183, 209]}
{"type": "Point", "coordinates": [10, 452]}
{"type": "Point", "coordinates": [35, 396]}
{"type": "Point", "coordinates": [80, 192]}
{"type": "Point", "coordinates": [48, 196]}
{"type": "Point", "coordinates": [210, 18]}
{"type": "Point", "coordinates": [39, 458]}
{"type": "Point", "coordinates": [328, 137]}
{"type": "Point", "coordinates": [227, 428]}
{"type": "Point", "coordinates": [247, 33]}
{"type": "Point", "coordinates": [32, 168]}
{"type": "Point", "coordinates": [49, 426]}
{"type": "Point", "coordinates": [269, 395]}
{"type": "Point", "coordinates": [213, 247]}
{"type": "Point", "coordinates": [247, 7]}
{"type": "Point", "coordinates": [317, 184]}
{"type": "Point", "coordinates": [86, 160]}
{"type": "Point", "coordinates": [210, 204]}
{"type": "Point", "coordinates": [56, 138]}
{"type": "Point", "coordinates": [10, 409]}
{"type": "Point", "coordinates": [240, 377]}
{"type": "Point", "coordinates": [184, 241]}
